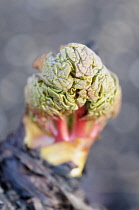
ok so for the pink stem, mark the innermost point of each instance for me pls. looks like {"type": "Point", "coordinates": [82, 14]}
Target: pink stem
{"type": "Point", "coordinates": [62, 134]}
{"type": "Point", "coordinates": [53, 128]}
{"type": "Point", "coordinates": [79, 128]}
{"type": "Point", "coordinates": [95, 130]}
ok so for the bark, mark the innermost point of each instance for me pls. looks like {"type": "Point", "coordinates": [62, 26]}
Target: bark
{"type": "Point", "coordinates": [27, 182]}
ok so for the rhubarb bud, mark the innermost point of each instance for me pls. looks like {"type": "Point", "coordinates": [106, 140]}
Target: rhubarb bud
{"type": "Point", "coordinates": [75, 77]}
{"type": "Point", "coordinates": [68, 104]}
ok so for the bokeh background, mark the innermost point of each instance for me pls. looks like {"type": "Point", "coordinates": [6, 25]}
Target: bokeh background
{"type": "Point", "coordinates": [31, 27]}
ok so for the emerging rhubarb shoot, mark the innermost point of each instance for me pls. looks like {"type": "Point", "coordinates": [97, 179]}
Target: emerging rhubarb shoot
{"type": "Point", "coordinates": [68, 103]}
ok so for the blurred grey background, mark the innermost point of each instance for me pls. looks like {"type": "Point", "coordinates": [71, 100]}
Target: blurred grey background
{"type": "Point", "coordinates": [31, 27]}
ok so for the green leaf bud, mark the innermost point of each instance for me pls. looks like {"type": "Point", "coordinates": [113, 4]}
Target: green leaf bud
{"type": "Point", "coordinates": [75, 77]}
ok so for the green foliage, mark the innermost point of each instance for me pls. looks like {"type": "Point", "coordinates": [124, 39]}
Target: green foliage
{"type": "Point", "coordinates": [75, 77]}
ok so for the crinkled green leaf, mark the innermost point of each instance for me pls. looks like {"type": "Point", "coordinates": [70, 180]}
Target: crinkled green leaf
{"type": "Point", "coordinates": [75, 77]}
